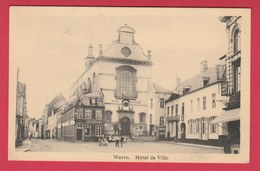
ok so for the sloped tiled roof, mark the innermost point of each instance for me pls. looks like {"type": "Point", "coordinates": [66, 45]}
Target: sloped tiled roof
{"type": "Point", "coordinates": [159, 89]}
{"type": "Point", "coordinates": [195, 82]}
{"type": "Point", "coordinates": [173, 97]}
{"type": "Point", "coordinates": [95, 94]}
{"type": "Point", "coordinates": [74, 101]}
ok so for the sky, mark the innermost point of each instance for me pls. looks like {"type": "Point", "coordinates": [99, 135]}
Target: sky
{"type": "Point", "coordinates": [49, 44]}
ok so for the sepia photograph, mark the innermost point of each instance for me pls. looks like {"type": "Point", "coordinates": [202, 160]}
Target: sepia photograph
{"type": "Point", "coordinates": [125, 84]}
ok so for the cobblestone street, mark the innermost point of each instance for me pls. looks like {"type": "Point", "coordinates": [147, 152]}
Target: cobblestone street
{"type": "Point", "coordinates": [133, 147]}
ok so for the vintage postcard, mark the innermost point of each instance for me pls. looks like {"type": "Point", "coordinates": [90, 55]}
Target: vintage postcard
{"type": "Point", "coordinates": [122, 84]}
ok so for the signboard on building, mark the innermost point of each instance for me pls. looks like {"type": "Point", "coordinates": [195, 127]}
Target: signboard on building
{"type": "Point", "coordinates": [224, 88]}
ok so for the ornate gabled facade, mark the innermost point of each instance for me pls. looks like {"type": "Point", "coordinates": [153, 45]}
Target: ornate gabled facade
{"type": "Point", "coordinates": [122, 73]}
{"type": "Point", "coordinates": [83, 118]}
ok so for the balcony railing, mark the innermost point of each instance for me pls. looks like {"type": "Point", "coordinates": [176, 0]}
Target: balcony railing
{"type": "Point", "coordinates": [173, 118]}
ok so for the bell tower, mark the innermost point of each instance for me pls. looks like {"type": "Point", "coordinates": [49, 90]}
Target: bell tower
{"type": "Point", "coordinates": [126, 35]}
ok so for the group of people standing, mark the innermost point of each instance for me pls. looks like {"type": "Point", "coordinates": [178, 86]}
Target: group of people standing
{"type": "Point", "coordinates": [121, 140]}
{"type": "Point", "coordinates": [103, 141]}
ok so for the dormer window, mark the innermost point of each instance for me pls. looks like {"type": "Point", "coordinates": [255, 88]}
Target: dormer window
{"type": "Point", "coordinates": [186, 89]}
{"type": "Point", "coordinates": [204, 81]}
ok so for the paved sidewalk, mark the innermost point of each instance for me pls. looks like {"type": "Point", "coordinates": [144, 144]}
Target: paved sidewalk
{"type": "Point", "coordinates": [25, 147]}
{"type": "Point", "coordinates": [194, 145]}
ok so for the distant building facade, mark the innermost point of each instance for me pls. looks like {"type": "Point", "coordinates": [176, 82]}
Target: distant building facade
{"type": "Point", "coordinates": [83, 119]}
{"type": "Point", "coordinates": [196, 102]}
{"type": "Point", "coordinates": [123, 73]}
{"type": "Point", "coordinates": [51, 113]}
{"type": "Point", "coordinates": [157, 122]}
{"type": "Point", "coordinates": [38, 128]}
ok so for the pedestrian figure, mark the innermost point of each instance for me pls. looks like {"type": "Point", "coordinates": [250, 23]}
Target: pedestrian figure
{"type": "Point", "coordinates": [117, 141]}
{"type": "Point", "coordinates": [30, 136]}
{"type": "Point", "coordinates": [227, 147]}
{"type": "Point", "coordinates": [122, 141]}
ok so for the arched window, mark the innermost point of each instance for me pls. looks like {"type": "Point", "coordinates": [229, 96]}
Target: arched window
{"type": "Point", "coordinates": [142, 117]}
{"type": "Point", "coordinates": [161, 121]}
{"type": "Point", "coordinates": [236, 41]}
{"type": "Point", "coordinates": [126, 82]}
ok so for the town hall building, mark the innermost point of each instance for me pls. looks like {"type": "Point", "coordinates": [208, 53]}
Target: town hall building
{"type": "Point", "coordinates": [122, 73]}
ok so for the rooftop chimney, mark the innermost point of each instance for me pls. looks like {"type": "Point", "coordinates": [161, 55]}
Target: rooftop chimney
{"type": "Point", "coordinates": [149, 55]}
{"type": "Point", "coordinates": [203, 66]}
{"type": "Point", "coordinates": [100, 50]}
{"type": "Point", "coordinates": [178, 80]}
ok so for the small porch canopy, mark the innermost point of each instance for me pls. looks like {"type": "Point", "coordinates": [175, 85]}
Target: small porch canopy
{"type": "Point", "coordinates": [227, 116]}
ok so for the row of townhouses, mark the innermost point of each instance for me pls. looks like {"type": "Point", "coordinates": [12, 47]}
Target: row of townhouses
{"type": "Point", "coordinates": [115, 95]}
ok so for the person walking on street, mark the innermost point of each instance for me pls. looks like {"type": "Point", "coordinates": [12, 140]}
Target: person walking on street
{"type": "Point", "coordinates": [117, 141]}
{"type": "Point", "coordinates": [122, 141]}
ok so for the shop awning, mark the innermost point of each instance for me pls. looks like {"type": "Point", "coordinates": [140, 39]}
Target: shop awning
{"type": "Point", "coordinates": [227, 116]}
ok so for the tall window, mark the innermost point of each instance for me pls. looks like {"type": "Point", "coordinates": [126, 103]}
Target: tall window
{"type": "Point", "coordinates": [214, 100]}
{"type": "Point", "coordinates": [204, 103]}
{"type": "Point", "coordinates": [151, 103]}
{"type": "Point", "coordinates": [98, 114]}
{"type": "Point", "coordinates": [197, 127]}
{"type": "Point", "coordinates": [237, 76]}
{"type": "Point", "coordinates": [88, 114]}
{"type": "Point", "coordinates": [161, 121]}
{"type": "Point", "coordinates": [161, 103]}
{"type": "Point", "coordinates": [176, 109]}
{"type": "Point", "coordinates": [204, 125]}
{"type": "Point", "coordinates": [182, 112]}
{"type": "Point", "coordinates": [203, 128]}
{"type": "Point", "coordinates": [182, 109]}
{"type": "Point", "coordinates": [198, 104]}
{"type": "Point", "coordinates": [126, 82]}
{"type": "Point", "coordinates": [172, 110]}
{"type": "Point", "coordinates": [191, 105]}
{"type": "Point", "coordinates": [151, 118]}
{"type": "Point", "coordinates": [142, 117]}
{"type": "Point", "coordinates": [190, 126]}
{"type": "Point", "coordinates": [236, 41]}
{"type": "Point", "coordinates": [79, 114]}
{"type": "Point", "coordinates": [168, 111]}
{"type": "Point", "coordinates": [98, 130]}
{"type": "Point", "coordinates": [213, 129]}
{"type": "Point", "coordinates": [88, 130]}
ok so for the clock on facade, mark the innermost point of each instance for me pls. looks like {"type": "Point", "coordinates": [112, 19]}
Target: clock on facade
{"type": "Point", "coordinates": [126, 51]}
{"type": "Point", "coordinates": [126, 103]}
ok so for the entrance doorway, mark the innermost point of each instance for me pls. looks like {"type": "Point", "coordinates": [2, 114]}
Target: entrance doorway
{"type": "Point", "coordinates": [125, 126]}
{"type": "Point", "coordinates": [79, 134]}
{"type": "Point", "coordinates": [183, 131]}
